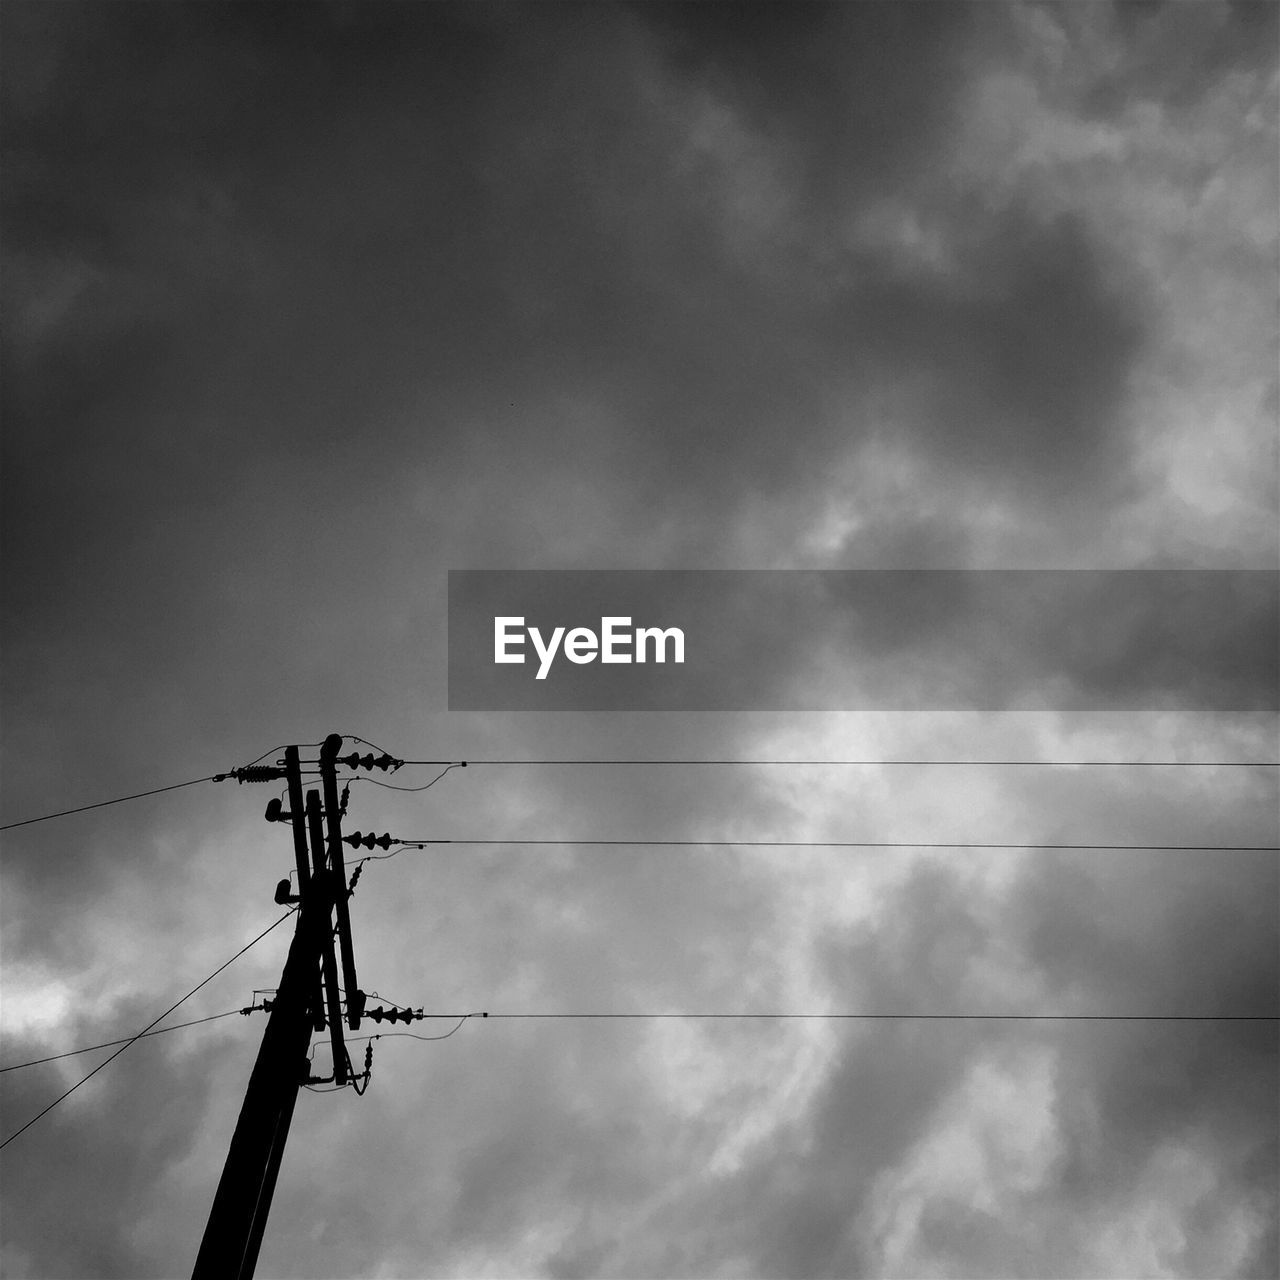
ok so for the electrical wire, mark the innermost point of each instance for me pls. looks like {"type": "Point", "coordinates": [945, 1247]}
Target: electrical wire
{"type": "Point", "coordinates": [145, 1029]}
{"type": "Point", "coordinates": [455, 764]}
{"type": "Point", "coordinates": [1091, 764]}
{"type": "Point", "coordinates": [102, 804]}
{"type": "Point", "coordinates": [832, 1017]}
{"type": "Point", "coordinates": [913, 1017]}
{"type": "Point", "coordinates": [390, 786]}
{"type": "Point", "coordinates": [838, 844]}
{"type": "Point", "coordinates": [106, 1044]}
{"type": "Point", "coordinates": [377, 995]}
{"type": "Point", "coordinates": [413, 1035]}
{"type": "Point", "coordinates": [355, 737]}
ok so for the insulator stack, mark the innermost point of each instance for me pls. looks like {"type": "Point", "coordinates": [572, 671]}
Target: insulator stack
{"type": "Point", "coordinates": [368, 840]}
{"type": "Point", "coordinates": [383, 762]}
{"type": "Point", "coordinates": [393, 1015]}
{"type": "Point", "coordinates": [257, 773]}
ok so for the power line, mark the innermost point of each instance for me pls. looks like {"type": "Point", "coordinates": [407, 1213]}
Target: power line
{"type": "Point", "coordinates": [455, 764]}
{"type": "Point", "coordinates": [460, 1018]}
{"type": "Point", "coordinates": [841, 844]}
{"type": "Point", "coordinates": [391, 786]}
{"type": "Point", "coordinates": [106, 1044]}
{"type": "Point", "coordinates": [145, 1029]}
{"type": "Point", "coordinates": [413, 1035]}
{"type": "Point", "coordinates": [914, 1017]}
{"type": "Point", "coordinates": [243, 774]}
{"type": "Point", "coordinates": [1079, 764]}
{"type": "Point", "coordinates": [102, 804]}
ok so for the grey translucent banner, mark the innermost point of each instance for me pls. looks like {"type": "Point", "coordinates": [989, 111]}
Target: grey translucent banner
{"type": "Point", "coordinates": [831, 640]}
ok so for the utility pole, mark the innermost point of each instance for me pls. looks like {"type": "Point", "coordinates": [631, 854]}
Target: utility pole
{"type": "Point", "coordinates": [308, 990]}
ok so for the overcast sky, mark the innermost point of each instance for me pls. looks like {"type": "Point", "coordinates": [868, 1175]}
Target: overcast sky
{"type": "Point", "coordinates": [307, 304]}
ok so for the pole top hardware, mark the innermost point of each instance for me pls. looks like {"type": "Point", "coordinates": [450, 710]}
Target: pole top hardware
{"type": "Point", "coordinates": [283, 895]}
{"type": "Point", "coordinates": [256, 773]}
{"type": "Point", "coordinates": [276, 811]}
{"type": "Point", "coordinates": [356, 839]}
{"type": "Point", "coordinates": [369, 761]}
{"type": "Point", "coordinates": [380, 1014]}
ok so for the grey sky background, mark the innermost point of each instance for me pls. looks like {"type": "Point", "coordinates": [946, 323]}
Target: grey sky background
{"type": "Point", "coordinates": [305, 305]}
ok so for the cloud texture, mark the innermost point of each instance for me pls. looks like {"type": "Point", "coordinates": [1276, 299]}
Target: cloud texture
{"type": "Point", "coordinates": [307, 304]}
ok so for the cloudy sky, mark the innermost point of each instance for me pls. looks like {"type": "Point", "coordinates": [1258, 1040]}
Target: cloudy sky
{"type": "Point", "coordinates": [306, 305]}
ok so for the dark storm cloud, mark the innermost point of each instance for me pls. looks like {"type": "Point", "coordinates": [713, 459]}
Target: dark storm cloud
{"type": "Point", "coordinates": [270, 263]}
{"type": "Point", "coordinates": [855, 94]}
{"type": "Point", "coordinates": [1177, 53]}
{"type": "Point", "coordinates": [1203, 943]}
{"type": "Point", "coordinates": [1137, 937]}
{"type": "Point", "coordinates": [1021, 359]}
{"type": "Point", "coordinates": [876, 1103]}
{"type": "Point", "coordinates": [141, 1129]}
{"type": "Point", "coordinates": [1208, 940]}
{"type": "Point", "coordinates": [273, 264]}
{"type": "Point", "coordinates": [305, 304]}
{"type": "Point", "coordinates": [296, 220]}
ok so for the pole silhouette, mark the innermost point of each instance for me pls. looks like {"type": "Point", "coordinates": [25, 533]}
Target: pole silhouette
{"type": "Point", "coordinates": [308, 991]}
{"type": "Point", "coordinates": [238, 1218]}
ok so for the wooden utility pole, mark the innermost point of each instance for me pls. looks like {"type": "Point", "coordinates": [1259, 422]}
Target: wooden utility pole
{"type": "Point", "coordinates": [238, 1218]}
{"type": "Point", "coordinates": [233, 1235]}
